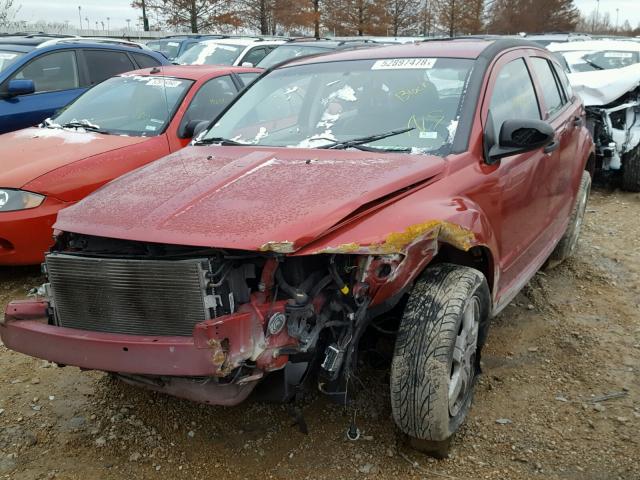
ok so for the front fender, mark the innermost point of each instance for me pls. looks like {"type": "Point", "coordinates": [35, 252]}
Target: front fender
{"type": "Point", "coordinates": [413, 229]}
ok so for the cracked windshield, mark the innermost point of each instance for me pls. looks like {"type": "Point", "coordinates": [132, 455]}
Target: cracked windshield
{"type": "Point", "coordinates": [404, 104]}
{"type": "Point", "coordinates": [134, 105]}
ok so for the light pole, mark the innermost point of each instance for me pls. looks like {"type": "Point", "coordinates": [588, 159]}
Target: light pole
{"type": "Point", "coordinates": [80, 15]}
{"type": "Point", "coordinates": [102, 23]}
{"type": "Point", "coordinates": [595, 20]}
{"type": "Point", "coordinates": [617, 13]}
{"type": "Point", "coordinates": [128, 25]}
{"type": "Point", "coordinates": [86, 19]}
{"type": "Point", "coordinates": [108, 25]}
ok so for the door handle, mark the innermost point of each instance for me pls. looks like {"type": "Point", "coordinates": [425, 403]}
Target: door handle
{"type": "Point", "coordinates": [578, 121]}
{"type": "Point", "coordinates": [551, 147]}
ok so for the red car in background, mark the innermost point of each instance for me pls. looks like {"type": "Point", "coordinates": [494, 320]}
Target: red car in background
{"type": "Point", "coordinates": [125, 122]}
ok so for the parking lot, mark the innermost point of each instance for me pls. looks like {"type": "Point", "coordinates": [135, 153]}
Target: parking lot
{"type": "Point", "coordinates": [559, 398]}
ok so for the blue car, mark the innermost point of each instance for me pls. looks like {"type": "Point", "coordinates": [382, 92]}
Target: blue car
{"type": "Point", "coordinates": [40, 74]}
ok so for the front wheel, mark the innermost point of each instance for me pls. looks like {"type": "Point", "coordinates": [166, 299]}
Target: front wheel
{"type": "Point", "coordinates": [437, 355]}
{"type": "Point", "coordinates": [631, 171]}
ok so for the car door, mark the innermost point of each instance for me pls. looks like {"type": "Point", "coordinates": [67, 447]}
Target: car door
{"type": "Point", "coordinates": [520, 210]}
{"type": "Point", "coordinates": [57, 83]}
{"type": "Point", "coordinates": [205, 105]}
{"type": "Point", "coordinates": [559, 165]}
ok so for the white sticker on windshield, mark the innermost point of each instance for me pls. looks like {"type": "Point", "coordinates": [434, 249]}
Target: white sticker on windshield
{"type": "Point", "coordinates": [618, 54]}
{"type": "Point", "coordinates": [429, 135]}
{"type": "Point", "coordinates": [151, 128]}
{"type": "Point", "coordinates": [403, 63]}
{"type": "Point", "coordinates": [8, 56]}
{"type": "Point", "coordinates": [173, 44]}
{"type": "Point", "coordinates": [159, 82]}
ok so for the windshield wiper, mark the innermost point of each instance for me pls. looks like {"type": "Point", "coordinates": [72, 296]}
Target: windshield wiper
{"type": "Point", "coordinates": [220, 140]}
{"type": "Point", "coordinates": [87, 126]}
{"type": "Point", "coordinates": [593, 64]}
{"type": "Point", "coordinates": [356, 142]}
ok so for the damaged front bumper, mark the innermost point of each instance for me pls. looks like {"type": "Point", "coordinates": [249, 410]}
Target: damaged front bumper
{"type": "Point", "coordinates": [196, 367]}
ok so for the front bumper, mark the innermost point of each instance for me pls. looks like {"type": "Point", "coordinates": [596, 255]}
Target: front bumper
{"type": "Point", "coordinates": [25, 330]}
{"type": "Point", "coordinates": [25, 235]}
{"type": "Point", "coordinates": [215, 349]}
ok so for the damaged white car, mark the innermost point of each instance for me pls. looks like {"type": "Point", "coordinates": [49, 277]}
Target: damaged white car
{"type": "Point", "coordinates": [606, 74]}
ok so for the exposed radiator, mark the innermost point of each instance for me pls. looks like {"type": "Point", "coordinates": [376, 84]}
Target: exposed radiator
{"type": "Point", "coordinates": [140, 297]}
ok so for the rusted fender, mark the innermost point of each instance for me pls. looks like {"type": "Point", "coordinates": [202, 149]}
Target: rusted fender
{"type": "Point", "coordinates": [413, 227]}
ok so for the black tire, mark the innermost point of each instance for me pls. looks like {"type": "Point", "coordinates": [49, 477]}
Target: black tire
{"type": "Point", "coordinates": [631, 171]}
{"type": "Point", "coordinates": [423, 363]}
{"type": "Point", "coordinates": [569, 241]}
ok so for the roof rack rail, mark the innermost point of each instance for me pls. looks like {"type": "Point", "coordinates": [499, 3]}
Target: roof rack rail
{"type": "Point", "coordinates": [36, 35]}
{"type": "Point", "coordinates": [99, 40]}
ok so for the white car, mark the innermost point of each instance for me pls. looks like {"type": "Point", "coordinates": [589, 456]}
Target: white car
{"type": "Point", "coordinates": [596, 55]}
{"type": "Point", "coordinates": [606, 74]}
{"type": "Point", "coordinates": [245, 52]}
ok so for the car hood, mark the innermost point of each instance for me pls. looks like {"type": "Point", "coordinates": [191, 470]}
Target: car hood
{"type": "Point", "coordinates": [27, 154]}
{"type": "Point", "coordinates": [244, 198]}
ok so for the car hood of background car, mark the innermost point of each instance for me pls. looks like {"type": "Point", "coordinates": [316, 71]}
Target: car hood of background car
{"type": "Point", "coordinates": [244, 198]}
{"type": "Point", "coordinates": [27, 154]}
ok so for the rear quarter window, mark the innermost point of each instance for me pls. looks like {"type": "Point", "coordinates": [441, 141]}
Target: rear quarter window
{"type": "Point", "coordinates": [145, 61]}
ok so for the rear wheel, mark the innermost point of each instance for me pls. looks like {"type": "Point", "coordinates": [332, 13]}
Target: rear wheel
{"type": "Point", "coordinates": [436, 356]}
{"type": "Point", "coordinates": [569, 241]}
{"type": "Point", "coordinates": [631, 171]}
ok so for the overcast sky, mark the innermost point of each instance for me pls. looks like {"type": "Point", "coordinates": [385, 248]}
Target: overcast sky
{"type": "Point", "coordinates": [119, 10]}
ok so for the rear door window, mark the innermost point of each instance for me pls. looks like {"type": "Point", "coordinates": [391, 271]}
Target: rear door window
{"type": "Point", "coordinates": [513, 95]}
{"type": "Point", "coordinates": [551, 91]}
{"type": "Point", "coordinates": [103, 64]}
{"type": "Point", "coordinates": [52, 72]}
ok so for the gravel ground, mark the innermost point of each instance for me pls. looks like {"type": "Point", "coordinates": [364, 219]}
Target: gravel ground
{"type": "Point", "coordinates": [572, 337]}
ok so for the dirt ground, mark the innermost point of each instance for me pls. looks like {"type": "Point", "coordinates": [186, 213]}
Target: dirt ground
{"type": "Point", "coordinates": [570, 338]}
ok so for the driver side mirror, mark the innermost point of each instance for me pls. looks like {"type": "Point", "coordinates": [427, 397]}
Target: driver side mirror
{"type": "Point", "coordinates": [193, 128]}
{"type": "Point", "coordinates": [20, 87]}
{"type": "Point", "coordinates": [516, 136]}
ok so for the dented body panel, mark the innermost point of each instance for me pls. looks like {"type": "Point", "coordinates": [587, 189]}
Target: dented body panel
{"type": "Point", "coordinates": [302, 248]}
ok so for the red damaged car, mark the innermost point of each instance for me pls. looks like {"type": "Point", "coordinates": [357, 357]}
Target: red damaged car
{"type": "Point", "coordinates": [119, 125]}
{"type": "Point", "coordinates": [427, 182]}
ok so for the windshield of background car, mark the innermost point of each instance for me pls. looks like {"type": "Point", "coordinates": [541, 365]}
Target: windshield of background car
{"type": "Point", "coordinates": [7, 58]}
{"type": "Point", "coordinates": [208, 53]}
{"type": "Point", "coordinates": [590, 61]}
{"type": "Point", "coordinates": [127, 105]}
{"type": "Point", "coordinates": [287, 52]}
{"type": "Point", "coordinates": [317, 104]}
{"type": "Point", "coordinates": [169, 48]}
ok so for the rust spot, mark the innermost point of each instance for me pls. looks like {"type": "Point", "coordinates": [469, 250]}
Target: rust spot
{"type": "Point", "coordinates": [397, 242]}
{"type": "Point", "coordinates": [278, 247]}
{"type": "Point", "coordinates": [344, 248]}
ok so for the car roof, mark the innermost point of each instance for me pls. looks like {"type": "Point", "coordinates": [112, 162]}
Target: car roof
{"type": "Point", "coordinates": [597, 45]}
{"type": "Point", "coordinates": [450, 48]}
{"type": "Point", "coordinates": [191, 72]}
{"type": "Point", "coordinates": [12, 47]}
{"type": "Point", "coordinates": [244, 41]}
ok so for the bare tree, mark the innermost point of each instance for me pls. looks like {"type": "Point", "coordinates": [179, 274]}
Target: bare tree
{"type": "Point", "coordinates": [460, 16]}
{"type": "Point", "coordinates": [403, 15]}
{"type": "Point", "coordinates": [197, 15]}
{"type": "Point", "coordinates": [513, 16]}
{"type": "Point", "coordinates": [8, 12]}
